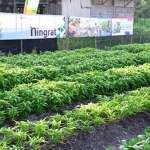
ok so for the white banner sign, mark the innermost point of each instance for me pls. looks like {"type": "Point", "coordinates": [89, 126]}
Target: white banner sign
{"type": "Point", "coordinates": [20, 26]}
{"type": "Point", "coordinates": [122, 26]}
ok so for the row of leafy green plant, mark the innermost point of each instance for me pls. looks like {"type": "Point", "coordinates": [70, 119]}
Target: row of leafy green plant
{"type": "Point", "coordinates": [23, 99]}
{"type": "Point", "coordinates": [67, 57]}
{"type": "Point", "coordinates": [55, 59]}
{"type": "Point", "coordinates": [54, 129]}
{"type": "Point", "coordinates": [38, 72]}
{"type": "Point", "coordinates": [133, 48]}
{"type": "Point", "coordinates": [112, 80]}
{"type": "Point", "coordinates": [11, 77]}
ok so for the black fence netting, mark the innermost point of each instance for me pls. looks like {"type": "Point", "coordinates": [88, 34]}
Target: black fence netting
{"type": "Point", "coordinates": [100, 42]}
{"type": "Point", "coordinates": [53, 44]}
{"type": "Point", "coordinates": [27, 46]}
{"type": "Point", "coordinates": [140, 35]}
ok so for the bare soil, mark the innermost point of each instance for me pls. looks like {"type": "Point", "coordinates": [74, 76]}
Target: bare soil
{"type": "Point", "coordinates": [108, 134]}
{"type": "Point", "coordinates": [98, 137]}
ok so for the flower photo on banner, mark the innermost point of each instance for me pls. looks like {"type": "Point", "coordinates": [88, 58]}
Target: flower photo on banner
{"type": "Point", "coordinates": [89, 27]}
{"type": "Point", "coordinates": [122, 26]}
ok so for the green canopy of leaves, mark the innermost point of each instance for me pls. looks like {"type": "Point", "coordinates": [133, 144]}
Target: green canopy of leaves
{"type": "Point", "coordinates": [142, 9]}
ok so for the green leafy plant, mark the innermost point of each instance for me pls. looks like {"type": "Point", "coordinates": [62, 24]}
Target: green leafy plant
{"type": "Point", "coordinates": [34, 142]}
{"type": "Point", "coordinates": [2, 117]}
{"type": "Point", "coordinates": [142, 142]}
{"type": "Point", "coordinates": [108, 148]}
{"type": "Point", "coordinates": [13, 113]}
{"type": "Point", "coordinates": [40, 128]}
{"type": "Point", "coordinates": [58, 127]}
{"type": "Point", "coordinates": [25, 108]}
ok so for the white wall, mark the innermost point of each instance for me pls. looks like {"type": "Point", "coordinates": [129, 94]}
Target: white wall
{"type": "Point", "coordinates": [112, 11]}
{"type": "Point", "coordinates": [107, 3]}
{"type": "Point", "coordinates": [123, 3]}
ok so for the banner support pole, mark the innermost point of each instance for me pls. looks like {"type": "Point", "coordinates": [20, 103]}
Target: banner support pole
{"type": "Point", "coordinates": [21, 42]}
{"type": "Point", "coordinates": [14, 6]}
{"type": "Point", "coordinates": [21, 46]}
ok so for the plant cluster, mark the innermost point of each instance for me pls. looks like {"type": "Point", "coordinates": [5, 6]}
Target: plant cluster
{"type": "Point", "coordinates": [49, 58]}
{"type": "Point", "coordinates": [9, 77]}
{"type": "Point", "coordinates": [23, 99]}
{"type": "Point", "coordinates": [36, 83]}
{"type": "Point", "coordinates": [142, 142]}
{"type": "Point", "coordinates": [52, 95]}
{"type": "Point", "coordinates": [113, 80]}
{"type": "Point", "coordinates": [133, 48]}
{"type": "Point", "coordinates": [36, 135]}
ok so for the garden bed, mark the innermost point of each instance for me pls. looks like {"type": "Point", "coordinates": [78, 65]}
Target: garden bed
{"type": "Point", "coordinates": [83, 99]}
{"type": "Point", "coordinates": [107, 135]}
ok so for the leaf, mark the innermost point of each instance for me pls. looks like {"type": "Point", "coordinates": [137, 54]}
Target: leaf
{"type": "Point", "coordinates": [147, 140]}
{"type": "Point", "coordinates": [146, 146]}
{"type": "Point", "coordinates": [136, 147]}
{"type": "Point", "coordinates": [141, 137]}
{"type": "Point", "coordinates": [109, 148]}
{"type": "Point", "coordinates": [123, 148]}
{"type": "Point", "coordinates": [125, 143]}
{"type": "Point", "coordinates": [133, 141]}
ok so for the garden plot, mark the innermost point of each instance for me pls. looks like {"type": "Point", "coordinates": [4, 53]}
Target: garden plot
{"type": "Point", "coordinates": [37, 84]}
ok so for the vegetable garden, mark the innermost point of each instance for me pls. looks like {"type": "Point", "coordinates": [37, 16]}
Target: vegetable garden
{"type": "Point", "coordinates": [119, 79]}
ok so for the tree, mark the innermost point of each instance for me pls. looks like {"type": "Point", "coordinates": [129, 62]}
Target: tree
{"type": "Point", "coordinates": [142, 9]}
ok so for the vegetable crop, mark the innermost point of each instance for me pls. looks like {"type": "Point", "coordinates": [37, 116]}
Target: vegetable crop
{"type": "Point", "coordinates": [55, 94]}
{"type": "Point", "coordinates": [54, 129]}
{"type": "Point", "coordinates": [14, 76]}
{"type": "Point", "coordinates": [49, 81]}
{"type": "Point", "coordinates": [133, 48]}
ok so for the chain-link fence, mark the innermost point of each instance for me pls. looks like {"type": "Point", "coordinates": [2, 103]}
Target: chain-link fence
{"type": "Point", "coordinates": [141, 35]}
{"type": "Point", "coordinates": [99, 42]}
{"type": "Point", "coordinates": [105, 43]}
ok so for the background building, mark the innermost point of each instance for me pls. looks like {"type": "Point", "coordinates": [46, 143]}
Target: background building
{"type": "Point", "coordinates": [93, 8]}
{"type": "Point", "coordinates": [80, 8]}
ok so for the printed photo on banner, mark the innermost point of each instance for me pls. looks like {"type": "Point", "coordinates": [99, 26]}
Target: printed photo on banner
{"type": "Point", "coordinates": [89, 27]}
{"type": "Point", "coordinates": [122, 26]}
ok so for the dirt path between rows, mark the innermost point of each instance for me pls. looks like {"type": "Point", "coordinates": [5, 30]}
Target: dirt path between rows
{"type": "Point", "coordinates": [109, 134]}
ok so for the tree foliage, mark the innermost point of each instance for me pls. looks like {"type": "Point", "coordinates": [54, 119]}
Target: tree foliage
{"type": "Point", "coordinates": [142, 9]}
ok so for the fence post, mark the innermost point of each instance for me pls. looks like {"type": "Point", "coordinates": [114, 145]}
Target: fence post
{"type": "Point", "coordinates": [67, 45]}
{"type": "Point", "coordinates": [121, 39]}
{"type": "Point", "coordinates": [63, 43]}
{"type": "Point", "coordinates": [110, 42]}
{"type": "Point", "coordinates": [95, 42]}
{"type": "Point", "coordinates": [140, 39]}
{"type": "Point", "coordinates": [21, 46]}
{"type": "Point", "coordinates": [131, 39]}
